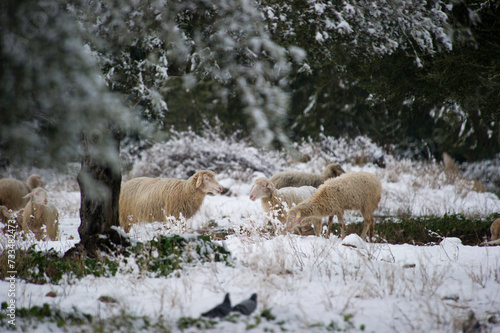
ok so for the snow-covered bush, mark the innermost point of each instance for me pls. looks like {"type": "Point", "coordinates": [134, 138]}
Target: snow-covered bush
{"type": "Point", "coordinates": [487, 171]}
{"type": "Point", "coordinates": [187, 152]}
{"type": "Point", "coordinates": [328, 149]}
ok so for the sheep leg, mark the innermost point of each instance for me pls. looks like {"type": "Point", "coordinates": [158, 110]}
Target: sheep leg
{"type": "Point", "coordinates": [342, 225]}
{"type": "Point", "coordinates": [127, 227]}
{"type": "Point", "coordinates": [330, 222]}
{"type": "Point", "coordinates": [372, 228]}
{"type": "Point", "coordinates": [369, 225]}
{"type": "Point", "coordinates": [318, 226]}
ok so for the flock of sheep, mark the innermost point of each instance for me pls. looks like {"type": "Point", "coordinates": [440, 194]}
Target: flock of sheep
{"type": "Point", "coordinates": [298, 200]}
{"type": "Point", "coordinates": [27, 205]}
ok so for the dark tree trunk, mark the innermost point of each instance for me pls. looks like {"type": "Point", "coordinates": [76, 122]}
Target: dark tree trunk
{"type": "Point", "coordinates": [100, 180]}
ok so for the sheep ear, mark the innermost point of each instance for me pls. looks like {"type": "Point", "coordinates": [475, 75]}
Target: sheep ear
{"type": "Point", "coordinates": [199, 181]}
{"type": "Point", "coordinates": [29, 195]}
{"type": "Point", "coordinates": [269, 186]}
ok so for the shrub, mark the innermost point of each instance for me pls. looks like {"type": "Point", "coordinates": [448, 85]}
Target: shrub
{"type": "Point", "coordinates": [187, 152]}
{"type": "Point", "coordinates": [429, 230]}
{"type": "Point", "coordinates": [47, 266]}
{"type": "Point", "coordinates": [158, 257]}
{"type": "Point", "coordinates": [37, 314]}
{"type": "Point", "coordinates": [163, 255]}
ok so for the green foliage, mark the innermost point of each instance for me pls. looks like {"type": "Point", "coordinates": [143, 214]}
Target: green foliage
{"type": "Point", "coordinates": [54, 92]}
{"type": "Point", "coordinates": [347, 325]}
{"type": "Point", "coordinates": [78, 321]}
{"type": "Point", "coordinates": [429, 230]}
{"type": "Point", "coordinates": [37, 314]}
{"type": "Point", "coordinates": [165, 254]}
{"type": "Point", "coordinates": [254, 324]}
{"type": "Point", "coordinates": [251, 321]}
{"type": "Point", "coordinates": [448, 101]}
{"type": "Point", "coordinates": [191, 104]}
{"type": "Point", "coordinates": [125, 322]}
{"type": "Point", "coordinates": [200, 323]}
{"type": "Point", "coordinates": [47, 266]}
{"type": "Point", "coordinates": [158, 257]}
{"type": "Point", "coordinates": [266, 313]}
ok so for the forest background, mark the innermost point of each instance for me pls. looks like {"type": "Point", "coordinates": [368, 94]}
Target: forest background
{"type": "Point", "coordinates": [421, 77]}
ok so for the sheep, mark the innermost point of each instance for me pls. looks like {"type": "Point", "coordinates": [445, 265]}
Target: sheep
{"type": "Point", "coordinates": [11, 220]}
{"type": "Point", "coordinates": [39, 215]}
{"type": "Point", "coordinates": [453, 175]}
{"type": "Point", "coordinates": [276, 201]}
{"type": "Point", "coordinates": [297, 179]}
{"type": "Point", "coordinates": [495, 230]}
{"type": "Point", "coordinates": [146, 199]}
{"type": "Point", "coordinates": [5, 217]}
{"type": "Point", "coordinates": [350, 191]}
{"type": "Point", "coordinates": [5, 214]}
{"type": "Point", "coordinates": [12, 191]}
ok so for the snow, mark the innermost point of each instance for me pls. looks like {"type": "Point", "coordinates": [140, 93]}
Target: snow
{"type": "Point", "coordinates": [307, 280]}
{"type": "Point", "coordinates": [309, 283]}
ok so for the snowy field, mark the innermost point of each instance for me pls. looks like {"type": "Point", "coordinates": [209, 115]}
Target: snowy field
{"type": "Point", "coordinates": [309, 284]}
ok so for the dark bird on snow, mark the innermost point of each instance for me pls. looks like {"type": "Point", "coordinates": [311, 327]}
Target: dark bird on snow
{"type": "Point", "coordinates": [220, 310]}
{"type": "Point", "coordinates": [247, 306]}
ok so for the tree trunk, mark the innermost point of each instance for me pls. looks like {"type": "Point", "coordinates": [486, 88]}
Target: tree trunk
{"type": "Point", "coordinates": [100, 180]}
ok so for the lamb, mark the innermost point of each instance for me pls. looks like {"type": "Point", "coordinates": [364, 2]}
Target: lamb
{"type": "Point", "coordinates": [146, 199]}
{"type": "Point", "coordinates": [5, 215]}
{"type": "Point", "coordinates": [12, 191]}
{"type": "Point", "coordinates": [277, 201]}
{"type": "Point", "coordinates": [495, 234]}
{"type": "Point", "coordinates": [40, 217]}
{"type": "Point", "coordinates": [16, 219]}
{"type": "Point", "coordinates": [495, 230]}
{"type": "Point", "coordinates": [351, 191]}
{"type": "Point", "coordinates": [297, 179]}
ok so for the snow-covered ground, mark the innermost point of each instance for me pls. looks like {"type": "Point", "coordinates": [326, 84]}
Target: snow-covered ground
{"type": "Point", "coordinates": [310, 284]}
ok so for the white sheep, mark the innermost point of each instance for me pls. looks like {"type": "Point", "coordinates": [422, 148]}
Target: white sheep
{"type": "Point", "coordinates": [39, 216]}
{"type": "Point", "coordinates": [297, 178]}
{"type": "Point", "coordinates": [350, 191]}
{"type": "Point", "coordinates": [146, 199]}
{"type": "Point", "coordinates": [495, 230]}
{"type": "Point", "coordinates": [276, 202]}
{"type": "Point", "coordinates": [12, 191]}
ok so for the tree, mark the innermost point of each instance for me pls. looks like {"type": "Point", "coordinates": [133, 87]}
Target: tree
{"type": "Point", "coordinates": [80, 74]}
{"type": "Point", "coordinates": [52, 96]}
{"type": "Point", "coordinates": [51, 88]}
{"type": "Point", "coordinates": [388, 69]}
{"type": "Point", "coordinates": [141, 45]}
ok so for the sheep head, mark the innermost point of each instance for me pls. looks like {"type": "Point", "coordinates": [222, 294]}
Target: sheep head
{"type": "Point", "coordinates": [262, 188]}
{"type": "Point", "coordinates": [294, 218]}
{"type": "Point", "coordinates": [333, 170]}
{"type": "Point", "coordinates": [35, 181]}
{"type": "Point", "coordinates": [38, 196]}
{"type": "Point", "coordinates": [206, 182]}
{"type": "Point", "coordinates": [4, 212]}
